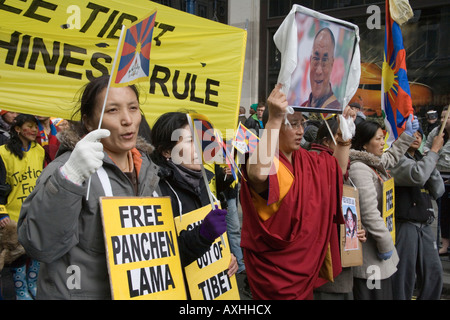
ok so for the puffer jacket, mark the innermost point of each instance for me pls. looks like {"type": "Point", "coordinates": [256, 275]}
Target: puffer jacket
{"type": "Point", "coordinates": [62, 230]}
{"type": "Point", "coordinates": [365, 172]}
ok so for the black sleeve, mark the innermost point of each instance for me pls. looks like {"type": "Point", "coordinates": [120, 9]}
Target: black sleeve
{"type": "Point", "coordinates": [192, 245]}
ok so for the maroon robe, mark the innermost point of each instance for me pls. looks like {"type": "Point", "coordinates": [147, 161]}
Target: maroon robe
{"type": "Point", "coordinates": [284, 254]}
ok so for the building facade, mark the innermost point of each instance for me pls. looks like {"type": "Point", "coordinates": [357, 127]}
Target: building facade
{"type": "Point", "coordinates": [425, 39]}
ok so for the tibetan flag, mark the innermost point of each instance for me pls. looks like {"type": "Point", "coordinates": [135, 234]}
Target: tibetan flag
{"type": "Point", "coordinates": [133, 60]}
{"type": "Point", "coordinates": [396, 102]}
{"type": "Point", "coordinates": [207, 137]}
{"type": "Point", "coordinates": [229, 160]}
{"type": "Point", "coordinates": [245, 141]}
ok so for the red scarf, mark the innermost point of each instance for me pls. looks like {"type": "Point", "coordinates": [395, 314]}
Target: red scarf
{"type": "Point", "coordinates": [284, 254]}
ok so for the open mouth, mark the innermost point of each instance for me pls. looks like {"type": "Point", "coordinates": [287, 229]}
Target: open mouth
{"type": "Point", "coordinates": [128, 136]}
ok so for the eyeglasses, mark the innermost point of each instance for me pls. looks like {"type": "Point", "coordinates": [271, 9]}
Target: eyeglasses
{"type": "Point", "coordinates": [296, 125]}
{"type": "Point", "coordinates": [316, 60]}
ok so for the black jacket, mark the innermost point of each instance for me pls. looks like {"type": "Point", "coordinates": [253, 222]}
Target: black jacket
{"type": "Point", "coordinates": [185, 197]}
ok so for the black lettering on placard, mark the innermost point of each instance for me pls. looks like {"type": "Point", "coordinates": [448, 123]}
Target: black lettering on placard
{"type": "Point", "coordinates": [42, 11]}
{"type": "Point", "coordinates": [96, 9]}
{"type": "Point", "coordinates": [24, 49]}
{"type": "Point", "coordinates": [108, 23]}
{"type": "Point", "coordinates": [31, 12]}
{"type": "Point", "coordinates": [98, 66]}
{"type": "Point", "coordinates": [35, 5]}
{"type": "Point", "coordinates": [118, 26]}
{"type": "Point", "coordinates": [39, 48]}
{"type": "Point", "coordinates": [215, 286]}
{"type": "Point", "coordinates": [213, 254]}
{"type": "Point", "coordinates": [55, 56]}
{"type": "Point", "coordinates": [142, 246]}
{"type": "Point", "coordinates": [161, 75]}
{"type": "Point", "coordinates": [60, 58]}
{"type": "Point", "coordinates": [149, 280]}
{"type": "Point", "coordinates": [9, 8]}
{"type": "Point", "coordinates": [164, 27]}
{"type": "Point", "coordinates": [11, 47]}
{"type": "Point", "coordinates": [68, 59]}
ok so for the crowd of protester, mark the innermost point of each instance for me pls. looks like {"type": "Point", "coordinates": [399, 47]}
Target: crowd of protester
{"type": "Point", "coordinates": [288, 246]}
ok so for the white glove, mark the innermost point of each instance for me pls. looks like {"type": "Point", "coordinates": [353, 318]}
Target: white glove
{"type": "Point", "coordinates": [347, 127]}
{"type": "Point", "coordinates": [86, 157]}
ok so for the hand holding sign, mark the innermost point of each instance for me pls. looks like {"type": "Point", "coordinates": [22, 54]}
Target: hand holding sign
{"type": "Point", "coordinates": [214, 224]}
{"type": "Point", "coordinates": [86, 158]}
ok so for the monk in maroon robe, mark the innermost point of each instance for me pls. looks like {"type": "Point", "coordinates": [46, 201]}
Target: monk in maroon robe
{"type": "Point", "coordinates": [291, 202]}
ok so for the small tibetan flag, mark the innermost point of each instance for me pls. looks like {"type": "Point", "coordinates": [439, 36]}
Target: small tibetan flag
{"type": "Point", "coordinates": [133, 59]}
{"type": "Point", "coordinates": [245, 141]}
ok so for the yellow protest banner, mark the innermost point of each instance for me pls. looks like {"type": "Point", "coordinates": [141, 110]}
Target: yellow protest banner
{"type": "Point", "coordinates": [207, 276]}
{"type": "Point", "coordinates": [389, 206]}
{"type": "Point", "coordinates": [142, 249]}
{"type": "Point", "coordinates": [50, 49]}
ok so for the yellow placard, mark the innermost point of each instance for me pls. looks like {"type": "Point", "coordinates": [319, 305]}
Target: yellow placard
{"type": "Point", "coordinates": [207, 276]}
{"type": "Point", "coordinates": [50, 49]}
{"type": "Point", "coordinates": [142, 248]}
{"type": "Point", "coordinates": [389, 206]}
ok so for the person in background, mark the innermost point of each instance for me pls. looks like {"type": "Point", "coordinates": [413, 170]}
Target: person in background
{"type": "Point", "coordinates": [242, 117]}
{"type": "Point", "coordinates": [342, 286]}
{"type": "Point", "coordinates": [252, 109]}
{"type": "Point", "coordinates": [360, 116]}
{"type": "Point", "coordinates": [60, 224]}
{"type": "Point", "coordinates": [6, 119]}
{"type": "Point", "coordinates": [432, 121]}
{"type": "Point", "coordinates": [443, 166]}
{"type": "Point", "coordinates": [254, 122]}
{"type": "Point", "coordinates": [21, 163]}
{"type": "Point", "coordinates": [181, 179]}
{"type": "Point", "coordinates": [417, 182]}
{"type": "Point", "coordinates": [368, 163]}
{"type": "Point", "coordinates": [47, 138]}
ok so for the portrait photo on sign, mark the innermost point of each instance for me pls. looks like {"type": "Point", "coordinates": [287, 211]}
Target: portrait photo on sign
{"type": "Point", "coordinates": [351, 227]}
{"type": "Point", "coordinates": [324, 55]}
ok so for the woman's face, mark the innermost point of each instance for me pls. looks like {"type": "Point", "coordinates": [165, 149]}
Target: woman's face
{"type": "Point", "coordinates": [184, 153]}
{"type": "Point", "coordinates": [376, 144]}
{"type": "Point", "coordinates": [122, 118]}
{"type": "Point", "coordinates": [28, 131]}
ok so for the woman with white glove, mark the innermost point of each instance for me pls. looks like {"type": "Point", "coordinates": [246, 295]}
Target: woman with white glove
{"type": "Point", "coordinates": [60, 223]}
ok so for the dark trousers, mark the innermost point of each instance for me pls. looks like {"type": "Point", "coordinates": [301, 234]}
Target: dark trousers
{"type": "Point", "coordinates": [419, 263]}
{"type": "Point", "coordinates": [361, 290]}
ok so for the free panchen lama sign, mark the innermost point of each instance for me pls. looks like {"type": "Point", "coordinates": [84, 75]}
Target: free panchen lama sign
{"type": "Point", "coordinates": [142, 249]}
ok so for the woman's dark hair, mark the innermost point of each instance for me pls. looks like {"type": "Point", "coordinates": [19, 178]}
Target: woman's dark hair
{"type": "Point", "coordinates": [89, 98]}
{"type": "Point", "coordinates": [364, 132]}
{"type": "Point", "coordinates": [14, 144]}
{"type": "Point", "coordinates": [323, 133]}
{"type": "Point", "coordinates": [162, 134]}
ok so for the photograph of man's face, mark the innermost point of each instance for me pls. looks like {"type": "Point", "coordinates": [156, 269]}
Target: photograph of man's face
{"type": "Point", "coordinates": [321, 65]}
{"type": "Point", "coordinates": [325, 51]}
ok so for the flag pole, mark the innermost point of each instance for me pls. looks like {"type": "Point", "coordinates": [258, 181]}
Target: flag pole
{"type": "Point", "coordinates": [106, 95]}
{"type": "Point", "coordinates": [445, 121]}
{"type": "Point", "coordinates": [205, 178]}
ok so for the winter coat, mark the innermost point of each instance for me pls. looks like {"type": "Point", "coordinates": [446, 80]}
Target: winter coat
{"type": "Point", "coordinates": [362, 174]}
{"type": "Point", "coordinates": [185, 198]}
{"type": "Point", "coordinates": [417, 181]}
{"type": "Point", "coordinates": [62, 230]}
{"type": "Point", "coordinates": [443, 164]}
